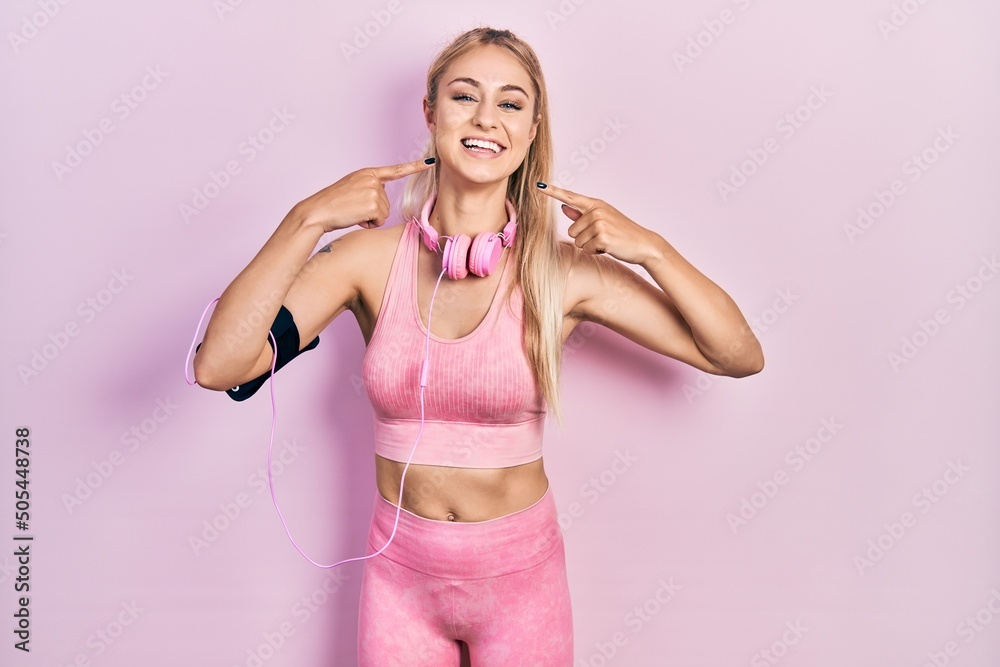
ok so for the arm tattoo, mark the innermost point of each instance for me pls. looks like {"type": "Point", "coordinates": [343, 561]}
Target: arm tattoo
{"type": "Point", "coordinates": [325, 248]}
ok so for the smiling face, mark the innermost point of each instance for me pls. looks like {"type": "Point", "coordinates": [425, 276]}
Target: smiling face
{"type": "Point", "coordinates": [483, 121]}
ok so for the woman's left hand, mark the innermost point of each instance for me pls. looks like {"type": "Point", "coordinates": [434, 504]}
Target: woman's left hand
{"type": "Point", "coordinates": [598, 227]}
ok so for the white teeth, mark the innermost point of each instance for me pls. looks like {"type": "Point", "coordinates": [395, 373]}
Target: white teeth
{"type": "Point", "coordinates": [482, 144]}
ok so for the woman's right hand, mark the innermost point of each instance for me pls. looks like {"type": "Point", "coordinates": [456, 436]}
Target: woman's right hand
{"type": "Point", "coordinates": [358, 198]}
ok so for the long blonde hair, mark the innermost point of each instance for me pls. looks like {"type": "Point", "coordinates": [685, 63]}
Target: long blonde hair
{"type": "Point", "coordinates": [539, 270]}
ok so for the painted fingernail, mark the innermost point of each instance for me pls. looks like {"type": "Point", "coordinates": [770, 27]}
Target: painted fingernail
{"type": "Point", "coordinates": [541, 185]}
{"type": "Point", "coordinates": [430, 160]}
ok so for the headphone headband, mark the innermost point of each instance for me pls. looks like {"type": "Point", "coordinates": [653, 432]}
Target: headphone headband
{"type": "Point", "coordinates": [431, 236]}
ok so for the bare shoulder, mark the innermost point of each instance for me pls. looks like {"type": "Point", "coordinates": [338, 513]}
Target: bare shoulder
{"type": "Point", "coordinates": [364, 242]}
{"type": "Point", "coordinates": [374, 250]}
{"type": "Point", "coordinates": [366, 256]}
{"type": "Point", "coordinates": [348, 273]}
{"type": "Point", "coordinates": [343, 270]}
{"type": "Point", "coordinates": [356, 255]}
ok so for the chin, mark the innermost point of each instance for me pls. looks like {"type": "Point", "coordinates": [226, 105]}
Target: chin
{"type": "Point", "coordinates": [461, 169]}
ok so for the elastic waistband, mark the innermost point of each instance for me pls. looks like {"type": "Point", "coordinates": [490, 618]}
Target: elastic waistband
{"type": "Point", "coordinates": [460, 444]}
{"type": "Point", "coordinates": [467, 550]}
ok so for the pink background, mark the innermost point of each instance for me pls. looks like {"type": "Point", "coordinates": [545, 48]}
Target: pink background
{"type": "Point", "coordinates": [633, 125]}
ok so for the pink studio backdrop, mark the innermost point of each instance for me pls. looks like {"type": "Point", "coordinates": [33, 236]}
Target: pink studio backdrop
{"type": "Point", "coordinates": [831, 165]}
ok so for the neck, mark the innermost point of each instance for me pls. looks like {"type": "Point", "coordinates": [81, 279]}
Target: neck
{"type": "Point", "coordinates": [469, 208]}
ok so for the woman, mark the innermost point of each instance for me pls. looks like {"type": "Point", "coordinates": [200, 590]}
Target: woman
{"type": "Point", "coordinates": [477, 561]}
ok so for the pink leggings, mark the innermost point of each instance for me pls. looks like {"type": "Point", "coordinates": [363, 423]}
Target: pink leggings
{"type": "Point", "coordinates": [499, 585]}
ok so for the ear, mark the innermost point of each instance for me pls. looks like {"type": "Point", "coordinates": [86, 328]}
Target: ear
{"type": "Point", "coordinates": [429, 116]}
{"type": "Point", "coordinates": [534, 128]}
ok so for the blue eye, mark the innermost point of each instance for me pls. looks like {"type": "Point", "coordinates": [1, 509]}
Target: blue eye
{"type": "Point", "coordinates": [464, 96]}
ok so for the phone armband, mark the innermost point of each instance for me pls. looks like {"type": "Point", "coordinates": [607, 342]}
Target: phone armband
{"type": "Point", "coordinates": [287, 336]}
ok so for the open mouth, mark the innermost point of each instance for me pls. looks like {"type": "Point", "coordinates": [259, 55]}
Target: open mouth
{"type": "Point", "coordinates": [483, 146]}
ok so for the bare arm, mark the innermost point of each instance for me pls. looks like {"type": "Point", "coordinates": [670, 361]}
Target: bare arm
{"type": "Point", "coordinates": [235, 344]}
{"type": "Point", "coordinates": [715, 324]}
{"type": "Point", "coordinates": [235, 348]}
{"type": "Point", "coordinates": [688, 318]}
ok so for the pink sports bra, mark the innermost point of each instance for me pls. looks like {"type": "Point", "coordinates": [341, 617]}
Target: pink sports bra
{"type": "Point", "coordinates": [482, 406]}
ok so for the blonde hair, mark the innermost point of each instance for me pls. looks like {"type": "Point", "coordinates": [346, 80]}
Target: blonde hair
{"type": "Point", "coordinates": [538, 268]}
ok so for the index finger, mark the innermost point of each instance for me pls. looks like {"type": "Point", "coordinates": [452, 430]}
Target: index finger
{"type": "Point", "coordinates": [580, 202]}
{"type": "Point", "coordinates": [394, 171]}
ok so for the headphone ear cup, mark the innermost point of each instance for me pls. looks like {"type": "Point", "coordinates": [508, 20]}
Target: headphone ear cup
{"type": "Point", "coordinates": [484, 255]}
{"type": "Point", "coordinates": [454, 258]}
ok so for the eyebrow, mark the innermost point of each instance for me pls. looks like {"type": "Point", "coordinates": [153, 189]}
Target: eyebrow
{"type": "Point", "coordinates": [472, 82]}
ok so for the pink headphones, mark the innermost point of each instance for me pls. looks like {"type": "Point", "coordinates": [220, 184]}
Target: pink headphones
{"type": "Point", "coordinates": [462, 254]}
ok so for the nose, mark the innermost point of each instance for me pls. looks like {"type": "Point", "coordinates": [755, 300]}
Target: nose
{"type": "Point", "coordinates": [486, 115]}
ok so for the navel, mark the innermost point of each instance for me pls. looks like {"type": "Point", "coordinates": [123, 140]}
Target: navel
{"type": "Point", "coordinates": [452, 517]}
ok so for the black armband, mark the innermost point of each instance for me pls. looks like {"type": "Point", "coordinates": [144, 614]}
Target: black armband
{"type": "Point", "coordinates": [287, 336]}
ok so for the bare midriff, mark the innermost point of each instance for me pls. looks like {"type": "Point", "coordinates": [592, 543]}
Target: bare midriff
{"type": "Point", "coordinates": [445, 493]}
